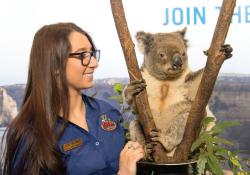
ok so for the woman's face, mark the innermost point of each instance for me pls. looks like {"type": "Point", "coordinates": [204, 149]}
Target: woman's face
{"type": "Point", "coordinates": [80, 76]}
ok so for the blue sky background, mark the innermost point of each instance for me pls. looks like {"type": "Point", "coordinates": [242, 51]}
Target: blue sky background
{"type": "Point", "coordinates": [19, 20]}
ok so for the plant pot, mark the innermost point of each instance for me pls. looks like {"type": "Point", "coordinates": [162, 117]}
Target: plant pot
{"type": "Point", "coordinates": [153, 168]}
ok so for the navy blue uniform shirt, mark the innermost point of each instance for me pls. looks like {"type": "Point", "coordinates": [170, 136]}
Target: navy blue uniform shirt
{"type": "Point", "coordinates": [96, 151]}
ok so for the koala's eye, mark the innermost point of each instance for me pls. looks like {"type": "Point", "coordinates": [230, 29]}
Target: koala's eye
{"type": "Point", "coordinates": [162, 55]}
{"type": "Point", "coordinates": [184, 54]}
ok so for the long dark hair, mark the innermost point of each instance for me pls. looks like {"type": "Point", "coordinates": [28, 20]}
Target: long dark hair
{"type": "Point", "coordinates": [45, 95]}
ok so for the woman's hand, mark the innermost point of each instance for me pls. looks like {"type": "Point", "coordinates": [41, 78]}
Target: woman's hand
{"type": "Point", "coordinates": [131, 153]}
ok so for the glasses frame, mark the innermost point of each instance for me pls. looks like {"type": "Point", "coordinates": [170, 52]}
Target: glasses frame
{"type": "Point", "coordinates": [86, 54]}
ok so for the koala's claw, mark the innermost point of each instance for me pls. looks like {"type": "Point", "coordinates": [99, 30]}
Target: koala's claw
{"type": "Point", "coordinates": [149, 150]}
{"type": "Point", "coordinates": [227, 49]}
{"type": "Point", "coordinates": [154, 135]}
{"type": "Point", "coordinates": [127, 136]}
{"type": "Point", "coordinates": [134, 88]}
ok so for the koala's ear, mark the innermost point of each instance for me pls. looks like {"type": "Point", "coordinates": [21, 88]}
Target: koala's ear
{"type": "Point", "coordinates": [145, 41]}
{"type": "Point", "coordinates": [183, 32]}
{"type": "Point", "coordinates": [183, 35]}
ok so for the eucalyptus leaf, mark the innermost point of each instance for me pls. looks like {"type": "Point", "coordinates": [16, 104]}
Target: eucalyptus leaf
{"type": "Point", "coordinates": [220, 150]}
{"type": "Point", "coordinates": [118, 88]}
{"type": "Point", "coordinates": [210, 147]}
{"type": "Point", "coordinates": [209, 150]}
{"type": "Point", "coordinates": [206, 121]}
{"type": "Point", "coordinates": [201, 164]}
{"type": "Point", "coordinates": [221, 140]}
{"type": "Point", "coordinates": [199, 142]}
{"type": "Point", "coordinates": [219, 127]}
{"type": "Point", "coordinates": [235, 161]}
{"type": "Point", "coordinates": [214, 163]}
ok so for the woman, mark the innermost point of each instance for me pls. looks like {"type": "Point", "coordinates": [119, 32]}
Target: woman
{"type": "Point", "coordinates": [58, 130]}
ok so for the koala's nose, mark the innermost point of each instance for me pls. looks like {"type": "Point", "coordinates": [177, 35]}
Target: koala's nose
{"type": "Point", "coordinates": [176, 62]}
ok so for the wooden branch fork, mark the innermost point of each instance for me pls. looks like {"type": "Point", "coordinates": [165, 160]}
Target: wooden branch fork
{"type": "Point", "coordinates": [214, 62]}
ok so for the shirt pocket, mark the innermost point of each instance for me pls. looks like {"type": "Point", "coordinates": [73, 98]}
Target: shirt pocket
{"type": "Point", "coordinates": [85, 160]}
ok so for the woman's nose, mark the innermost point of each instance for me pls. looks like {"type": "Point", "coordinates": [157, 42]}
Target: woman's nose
{"type": "Point", "coordinates": [93, 62]}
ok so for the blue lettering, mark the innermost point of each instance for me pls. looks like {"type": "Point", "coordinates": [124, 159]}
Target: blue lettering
{"type": "Point", "coordinates": [247, 8]}
{"type": "Point", "coordinates": [238, 13]}
{"type": "Point", "coordinates": [188, 16]}
{"type": "Point", "coordinates": [166, 17]}
{"type": "Point", "coordinates": [197, 14]}
{"type": "Point", "coordinates": [174, 16]}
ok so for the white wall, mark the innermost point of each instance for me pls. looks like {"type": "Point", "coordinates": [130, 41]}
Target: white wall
{"type": "Point", "coordinates": [19, 20]}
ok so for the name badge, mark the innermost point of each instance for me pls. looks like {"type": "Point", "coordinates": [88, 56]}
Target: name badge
{"type": "Point", "coordinates": [72, 144]}
{"type": "Point", "coordinates": [107, 124]}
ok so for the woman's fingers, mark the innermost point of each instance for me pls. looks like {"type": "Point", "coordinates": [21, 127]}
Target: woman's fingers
{"type": "Point", "coordinates": [133, 145]}
{"type": "Point", "coordinates": [135, 150]}
{"type": "Point", "coordinates": [131, 153]}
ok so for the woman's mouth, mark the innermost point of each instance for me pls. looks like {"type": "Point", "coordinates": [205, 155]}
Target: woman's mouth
{"type": "Point", "coordinates": [88, 75]}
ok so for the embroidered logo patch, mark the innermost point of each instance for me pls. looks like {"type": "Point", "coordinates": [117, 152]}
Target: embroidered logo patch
{"type": "Point", "coordinates": [107, 124]}
{"type": "Point", "coordinates": [72, 144]}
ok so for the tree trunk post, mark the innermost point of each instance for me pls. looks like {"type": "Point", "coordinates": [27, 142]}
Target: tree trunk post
{"type": "Point", "coordinates": [211, 71]}
{"type": "Point", "coordinates": [141, 100]}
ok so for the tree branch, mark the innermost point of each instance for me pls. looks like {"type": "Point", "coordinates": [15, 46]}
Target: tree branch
{"type": "Point", "coordinates": [211, 71]}
{"type": "Point", "coordinates": [141, 100]}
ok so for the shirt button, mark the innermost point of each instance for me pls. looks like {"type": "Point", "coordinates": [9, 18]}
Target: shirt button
{"type": "Point", "coordinates": [97, 143]}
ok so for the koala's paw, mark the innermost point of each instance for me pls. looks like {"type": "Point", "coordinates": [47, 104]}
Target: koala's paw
{"type": "Point", "coordinates": [156, 135]}
{"type": "Point", "coordinates": [127, 136]}
{"type": "Point", "coordinates": [132, 89]}
{"type": "Point", "coordinates": [149, 150]}
{"type": "Point", "coordinates": [227, 49]}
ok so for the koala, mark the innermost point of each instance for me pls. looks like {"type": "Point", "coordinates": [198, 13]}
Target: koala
{"type": "Point", "coordinates": [170, 84]}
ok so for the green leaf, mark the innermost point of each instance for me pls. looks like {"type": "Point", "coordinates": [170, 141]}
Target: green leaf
{"type": "Point", "coordinates": [235, 161]}
{"type": "Point", "coordinates": [206, 121]}
{"type": "Point", "coordinates": [202, 139]}
{"type": "Point", "coordinates": [118, 88]}
{"type": "Point", "coordinates": [220, 151]}
{"type": "Point", "coordinates": [201, 164]}
{"type": "Point", "coordinates": [210, 146]}
{"type": "Point", "coordinates": [214, 165]}
{"type": "Point", "coordinates": [219, 127]}
{"type": "Point", "coordinates": [221, 140]}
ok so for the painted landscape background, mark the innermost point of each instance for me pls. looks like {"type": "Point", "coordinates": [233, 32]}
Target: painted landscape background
{"type": "Point", "coordinates": [230, 101]}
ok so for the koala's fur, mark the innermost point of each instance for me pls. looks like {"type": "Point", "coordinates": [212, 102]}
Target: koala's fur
{"type": "Point", "coordinates": [171, 87]}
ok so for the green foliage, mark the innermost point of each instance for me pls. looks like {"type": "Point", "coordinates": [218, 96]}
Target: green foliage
{"type": "Point", "coordinates": [210, 150]}
{"type": "Point", "coordinates": [117, 96]}
{"type": "Point", "coordinates": [118, 88]}
{"type": "Point", "coordinates": [201, 164]}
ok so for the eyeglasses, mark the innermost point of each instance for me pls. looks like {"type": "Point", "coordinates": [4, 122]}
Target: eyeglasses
{"type": "Point", "coordinates": [86, 57]}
